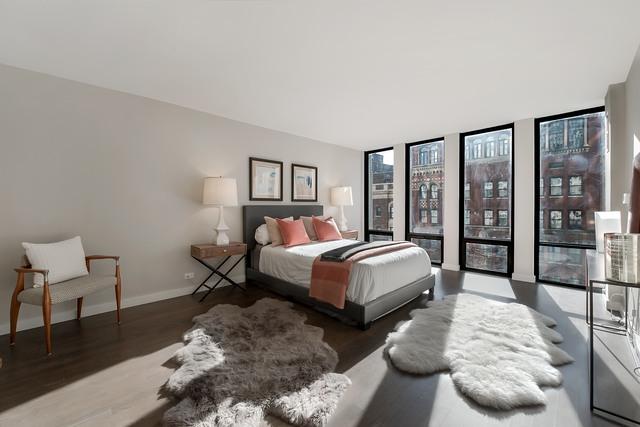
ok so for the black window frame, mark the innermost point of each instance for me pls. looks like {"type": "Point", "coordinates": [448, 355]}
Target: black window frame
{"type": "Point", "coordinates": [537, 243]}
{"type": "Point", "coordinates": [462, 241]}
{"type": "Point", "coordinates": [368, 232]}
{"type": "Point", "coordinates": [407, 198]}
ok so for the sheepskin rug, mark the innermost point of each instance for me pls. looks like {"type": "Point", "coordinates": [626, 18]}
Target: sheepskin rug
{"type": "Point", "coordinates": [499, 354]}
{"type": "Point", "coordinates": [240, 364]}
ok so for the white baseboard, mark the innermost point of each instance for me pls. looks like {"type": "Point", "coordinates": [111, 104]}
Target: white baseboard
{"type": "Point", "coordinates": [452, 267]}
{"type": "Point", "coordinates": [530, 278]}
{"type": "Point", "coordinates": [90, 310]}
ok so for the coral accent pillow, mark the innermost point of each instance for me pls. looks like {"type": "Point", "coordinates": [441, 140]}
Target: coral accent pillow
{"type": "Point", "coordinates": [293, 232]}
{"type": "Point", "coordinates": [326, 229]}
{"type": "Point", "coordinates": [274, 231]}
{"type": "Point", "coordinates": [308, 225]}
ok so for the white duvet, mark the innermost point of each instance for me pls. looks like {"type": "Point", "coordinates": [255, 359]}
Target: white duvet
{"type": "Point", "coordinates": [370, 278]}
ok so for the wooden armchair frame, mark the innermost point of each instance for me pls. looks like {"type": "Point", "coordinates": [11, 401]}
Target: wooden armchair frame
{"type": "Point", "coordinates": [46, 297]}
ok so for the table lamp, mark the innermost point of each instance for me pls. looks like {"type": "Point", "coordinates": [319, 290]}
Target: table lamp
{"type": "Point", "coordinates": [220, 192]}
{"type": "Point", "coordinates": [341, 196]}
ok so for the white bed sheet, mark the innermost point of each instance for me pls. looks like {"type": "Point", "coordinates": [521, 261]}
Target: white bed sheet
{"type": "Point", "coordinates": [370, 278]}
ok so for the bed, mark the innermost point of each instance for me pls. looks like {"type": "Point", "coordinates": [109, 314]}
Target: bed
{"type": "Point", "coordinates": [377, 285]}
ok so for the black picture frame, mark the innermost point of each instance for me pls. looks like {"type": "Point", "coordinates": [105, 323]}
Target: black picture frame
{"type": "Point", "coordinates": [315, 183]}
{"type": "Point", "coordinates": [252, 187]}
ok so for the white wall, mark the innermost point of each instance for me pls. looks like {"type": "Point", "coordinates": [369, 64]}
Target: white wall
{"type": "Point", "coordinates": [632, 120]}
{"type": "Point", "coordinates": [524, 200]}
{"type": "Point", "coordinates": [125, 173]}
{"type": "Point", "coordinates": [451, 196]}
{"type": "Point", "coordinates": [623, 110]}
{"type": "Point", "coordinates": [399, 193]}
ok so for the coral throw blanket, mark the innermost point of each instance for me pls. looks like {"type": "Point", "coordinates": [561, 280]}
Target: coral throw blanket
{"type": "Point", "coordinates": [330, 279]}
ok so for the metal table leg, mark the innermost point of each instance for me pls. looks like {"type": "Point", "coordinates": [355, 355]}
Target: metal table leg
{"type": "Point", "coordinates": [223, 276]}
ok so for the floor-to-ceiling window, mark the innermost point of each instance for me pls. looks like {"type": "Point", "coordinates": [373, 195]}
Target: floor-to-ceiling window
{"type": "Point", "coordinates": [570, 161]}
{"type": "Point", "coordinates": [378, 181]}
{"type": "Point", "coordinates": [486, 195]}
{"type": "Point", "coordinates": [424, 191]}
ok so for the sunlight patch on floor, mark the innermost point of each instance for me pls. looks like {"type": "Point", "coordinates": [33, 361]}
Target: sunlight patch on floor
{"type": "Point", "coordinates": [102, 398]}
{"type": "Point", "coordinates": [488, 285]}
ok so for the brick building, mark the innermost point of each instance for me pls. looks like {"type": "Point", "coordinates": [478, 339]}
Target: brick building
{"type": "Point", "coordinates": [571, 191]}
{"type": "Point", "coordinates": [425, 192]}
{"type": "Point", "coordinates": [381, 203]}
{"type": "Point", "coordinates": [486, 197]}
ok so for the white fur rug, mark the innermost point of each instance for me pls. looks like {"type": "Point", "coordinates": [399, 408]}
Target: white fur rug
{"type": "Point", "coordinates": [241, 364]}
{"type": "Point", "coordinates": [499, 354]}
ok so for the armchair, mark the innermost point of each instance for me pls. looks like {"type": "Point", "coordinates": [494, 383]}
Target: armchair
{"type": "Point", "coordinates": [47, 295]}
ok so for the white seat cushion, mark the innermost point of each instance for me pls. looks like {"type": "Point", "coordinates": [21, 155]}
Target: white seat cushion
{"type": "Point", "coordinates": [69, 290]}
{"type": "Point", "coordinates": [64, 260]}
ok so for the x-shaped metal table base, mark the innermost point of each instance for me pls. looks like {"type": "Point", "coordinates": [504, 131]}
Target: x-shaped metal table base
{"type": "Point", "coordinates": [217, 271]}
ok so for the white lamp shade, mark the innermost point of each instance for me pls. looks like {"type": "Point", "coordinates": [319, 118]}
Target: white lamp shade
{"type": "Point", "coordinates": [220, 192]}
{"type": "Point", "coordinates": [341, 196]}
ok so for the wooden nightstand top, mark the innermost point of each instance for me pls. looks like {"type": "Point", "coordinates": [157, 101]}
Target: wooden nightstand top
{"type": "Point", "coordinates": [210, 250]}
{"type": "Point", "coordinates": [350, 234]}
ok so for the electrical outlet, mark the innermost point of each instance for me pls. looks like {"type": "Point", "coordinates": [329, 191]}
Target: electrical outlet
{"type": "Point", "coordinates": [188, 276]}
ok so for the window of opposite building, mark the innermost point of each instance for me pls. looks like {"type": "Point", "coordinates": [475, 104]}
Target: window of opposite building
{"type": "Point", "coordinates": [486, 171]}
{"type": "Point", "coordinates": [503, 218]}
{"type": "Point", "coordinates": [488, 217]}
{"type": "Point", "coordinates": [488, 190]}
{"type": "Point", "coordinates": [423, 198]}
{"type": "Point", "coordinates": [575, 220]}
{"type": "Point", "coordinates": [555, 186]}
{"type": "Point", "coordinates": [570, 152]}
{"type": "Point", "coordinates": [379, 194]}
{"type": "Point", "coordinates": [503, 189]}
{"type": "Point", "coordinates": [575, 186]}
{"type": "Point", "coordinates": [555, 219]}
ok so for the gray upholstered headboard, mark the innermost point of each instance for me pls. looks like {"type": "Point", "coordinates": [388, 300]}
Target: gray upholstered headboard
{"type": "Point", "coordinates": [253, 217]}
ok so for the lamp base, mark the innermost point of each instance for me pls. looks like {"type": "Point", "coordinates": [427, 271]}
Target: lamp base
{"type": "Point", "coordinates": [222, 239]}
{"type": "Point", "coordinates": [342, 221]}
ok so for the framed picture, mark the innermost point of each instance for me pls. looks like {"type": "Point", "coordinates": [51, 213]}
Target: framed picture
{"type": "Point", "coordinates": [304, 183]}
{"type": "Point", "coordinates": [265, 179]}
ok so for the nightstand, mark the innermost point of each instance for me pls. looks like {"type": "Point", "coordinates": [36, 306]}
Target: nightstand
{"type": "Point", "coordinates": [350, 234]}
{"type": "Point", "coordinates": [209, 250]}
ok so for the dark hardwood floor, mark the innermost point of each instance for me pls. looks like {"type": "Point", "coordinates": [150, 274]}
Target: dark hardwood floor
{"type": "Point", "coordinates": [102, 374]}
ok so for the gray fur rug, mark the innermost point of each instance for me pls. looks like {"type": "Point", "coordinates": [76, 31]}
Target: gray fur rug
{"type": "Point", "coordinates": [499, 354]}
{"type": "Point", "coordinates": [239, 365]}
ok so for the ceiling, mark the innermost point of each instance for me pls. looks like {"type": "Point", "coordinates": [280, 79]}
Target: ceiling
{"type": "Point", "coordinates": [358, 73]}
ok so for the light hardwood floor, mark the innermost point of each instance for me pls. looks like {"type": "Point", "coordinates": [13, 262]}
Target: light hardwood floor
{"type": "Point", "coordinates": [102, 374]}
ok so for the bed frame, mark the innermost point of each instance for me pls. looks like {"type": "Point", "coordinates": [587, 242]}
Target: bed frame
{"type": "Point", "coordinates": [362, 315]}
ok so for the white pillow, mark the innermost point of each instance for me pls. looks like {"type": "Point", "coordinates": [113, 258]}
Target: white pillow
{"type": "Point", "coordinates": [64, 260]}
{"type": "Point", "coordinates": [262, 235]}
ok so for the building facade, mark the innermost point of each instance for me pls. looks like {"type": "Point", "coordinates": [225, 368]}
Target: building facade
{"type": "Point", "coordinates": [486, 199]}
{"type": "Point", "coordinates": [381, 193]}
{"type": "Point", "coordinates": [571, 190]}
{"type": "Point", "coordinates": [426, 189]}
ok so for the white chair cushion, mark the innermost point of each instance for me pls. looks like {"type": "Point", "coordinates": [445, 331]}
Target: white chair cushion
{"type": "Point", "coordinates": [64, 260]}
{"type": "Point", "coordinates": [69, 290]}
